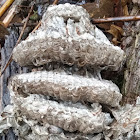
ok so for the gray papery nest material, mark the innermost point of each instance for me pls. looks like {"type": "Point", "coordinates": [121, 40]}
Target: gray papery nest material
{"type": "Point", "coordinates": [67, 36]}
{"type": "Point", "coordinates": [127, 124]}
{"type": "Point", "coordinates": [136, 2]}
{"type": "Point", "coordinates": [66, 87]}
{"type": "Point", "coordinates": [30, 129]}
{"type": "Point", "coordinates": [69, 117]}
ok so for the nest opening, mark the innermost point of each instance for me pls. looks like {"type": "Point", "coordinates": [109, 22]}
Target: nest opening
{"type": "Point", "coordinates": [76, 20]}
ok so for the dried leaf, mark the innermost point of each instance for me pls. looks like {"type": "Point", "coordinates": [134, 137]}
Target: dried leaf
{"type": "Point", "coordinates": [125, 2]}
{"type": "Point", "coordinates": [117, 32]}
{"type": "Point", "coordinates": [125, 11]}
{"type": "Point", "coordinates": [118, 8]}
{"type": "Point", "coordinates": [104, 9]}
{"type": "Point", "coordinates": [34, 16]}
{"type": "Point", "coordinates": [114, 41]}
{"type": "Point", "coordinates": [125, 7]}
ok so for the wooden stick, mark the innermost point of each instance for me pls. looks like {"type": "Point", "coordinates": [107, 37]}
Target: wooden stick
{"type": "Point", "coordinates": [25, 24]}
{"type": "Point", "coordinates": [17, 24]}
{"type": "Point", "coordinates": [1, 93]}
{"type": "Point", "coordinates": [10, 58]}
{"type": "Point", "coordinates": [1, 89]}
{"type": "Point", "coordinates": [116, 19]}
{"type": "Point", "coordinates": [7, 64]}
{"type": "Point", "coordinates": [55, 2]}
{"type": "Point", "coordinates": [37, 26]}
{"type": "Point", "coordinates": [11, 13]}
{"type": "Point", "coordinates": [5, 6]}
{"type": "Point", "coordinates": [9, 16]}
{"type": "Point", "coordinates": [95, 21]}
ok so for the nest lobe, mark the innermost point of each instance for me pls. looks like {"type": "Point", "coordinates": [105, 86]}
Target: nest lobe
{"type": "Point", "coordinates": [68, 37]}
{"type": "Point", "coordinates": [66, 117]}
{"type": "Point", "coordinates": [67, 87]}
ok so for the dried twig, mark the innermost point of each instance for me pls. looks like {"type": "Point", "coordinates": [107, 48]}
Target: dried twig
{"type": "Point", "coordinates": [5, 6]}
{"type": "Point", "coordinates": [10, 58]}
{"type": "Point", "coordinates": [9, 16]}
{"type": "Point", "coordinates": [115, 19]}
{"type": "Point", "coordinates": [22, 24]}
{"type": "Point", "coordinates": [11, 13]}
{"type": "Point", "coordinates": [55, 2]}
{"type": "Point", "coordinates": [37, 26]}
{"type": "Point", "coordinates": [7, 64]}
{"type": "Point", "coordinates": [1, 89]}
{"type": "Point", "coordinates": [25, 24]}
{"type": "Point", "coordinates": [95, 21]}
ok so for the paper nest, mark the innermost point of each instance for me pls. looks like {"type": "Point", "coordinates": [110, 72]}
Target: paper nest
{"type": "Point", "coordinates": [49, 105]}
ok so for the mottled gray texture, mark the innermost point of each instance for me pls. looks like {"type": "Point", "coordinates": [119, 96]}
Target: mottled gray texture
{"type": "Point", "coordinates": [127, 124]}
{"type": "Point", "coordinates": [30, 129]}
{"type": "Point", "coordinates": [70, 118]}
{"type": "Point", "coordinates": [66, 87]}
{"type": "Point", "coordinates": [67, 36]}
